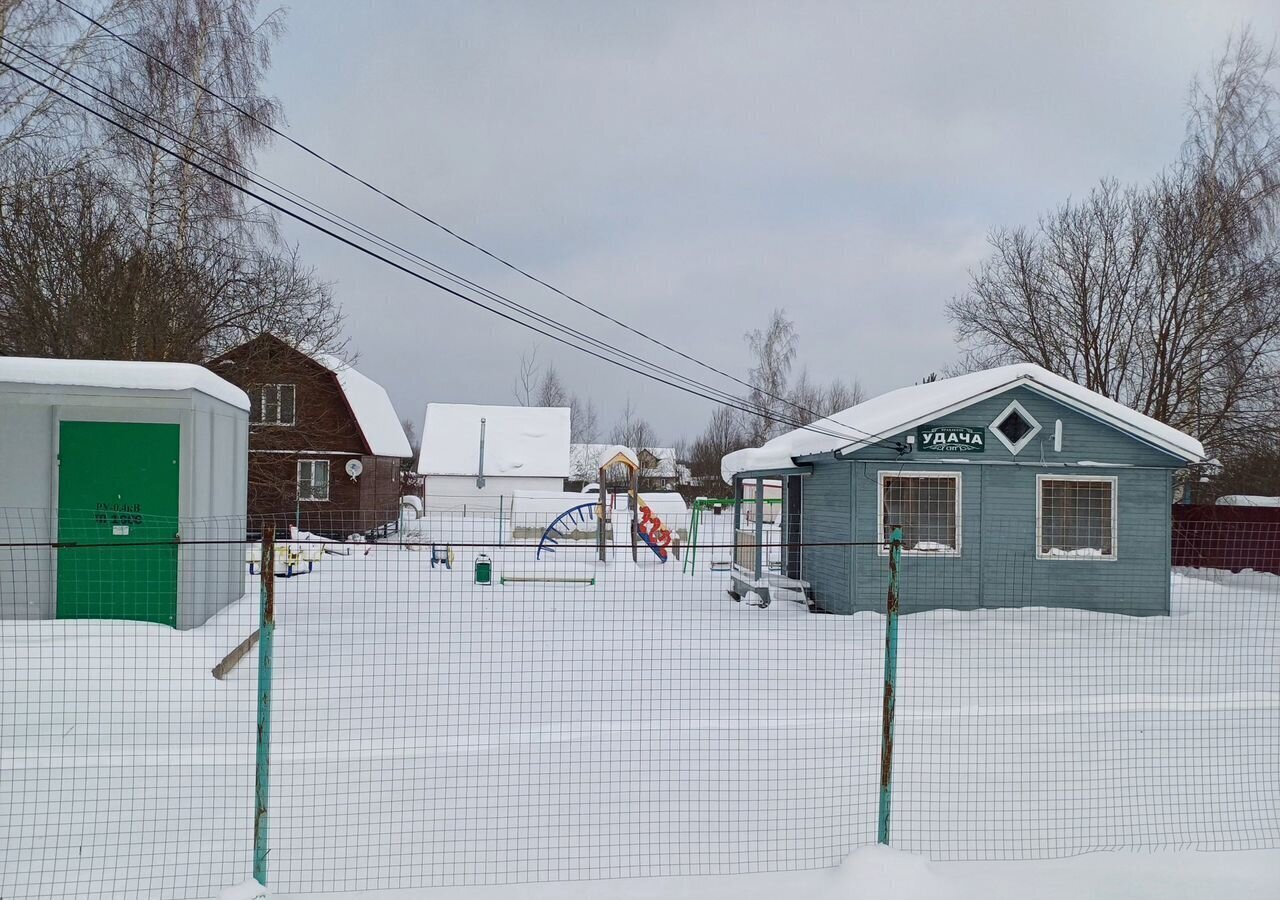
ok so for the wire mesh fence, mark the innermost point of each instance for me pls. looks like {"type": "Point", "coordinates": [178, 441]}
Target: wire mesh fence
{"type": "Point", "coordinates": [476, 699]}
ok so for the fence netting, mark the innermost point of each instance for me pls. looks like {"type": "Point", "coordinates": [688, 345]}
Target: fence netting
{"type": "Point", "coordinates": [574, 718]}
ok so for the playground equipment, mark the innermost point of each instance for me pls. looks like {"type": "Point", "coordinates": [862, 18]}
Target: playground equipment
{"type": "Point", "coordinates": [545, 579]}
{"type": "Point", "coordinates": [713, 504]}
{"type": "Point", "coordinates": [564, 525]}
{"type": "Point", "coordinates": [442, 554]}
{"type": "Point", "coordinates": [646, 525]}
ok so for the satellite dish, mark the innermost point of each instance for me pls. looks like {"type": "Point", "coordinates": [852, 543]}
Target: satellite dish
{"type": "Point", "coordinates": [354, 468]}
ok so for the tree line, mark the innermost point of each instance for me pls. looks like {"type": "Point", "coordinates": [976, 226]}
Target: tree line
{"type": "Point", "coordinates": [1164, 294]}
{"type": "Point", "coordinates": [111, 249]}
{"type": "Point", "coordinates": [776, 400]}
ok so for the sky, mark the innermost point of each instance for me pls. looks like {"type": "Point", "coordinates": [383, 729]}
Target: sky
{"type": "Point", "coordinates": [690, 167]}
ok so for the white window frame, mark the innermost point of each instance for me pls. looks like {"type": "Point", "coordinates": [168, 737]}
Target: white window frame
{"type": "Point", "coordinates": [262, 405]}
{"type": "Point", "coordinates": [1015, 406]}
{"type": "Point", "coordinates": [882, 539]}
{"type": "Point", "coordinates": [1115, 517]}
{"type": "Point", "coordinates": [328, 481]}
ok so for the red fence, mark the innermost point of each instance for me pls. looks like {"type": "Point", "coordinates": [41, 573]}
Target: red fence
{"type": "Point", "coordinates": [1227, 537]}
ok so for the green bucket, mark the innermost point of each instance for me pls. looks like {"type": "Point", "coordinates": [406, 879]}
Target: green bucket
{"type": "Point", "coordinates": [484, 570]}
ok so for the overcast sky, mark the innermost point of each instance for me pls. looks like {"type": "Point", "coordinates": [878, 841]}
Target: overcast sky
{"type": "Point", "coordinates": [688, 167]}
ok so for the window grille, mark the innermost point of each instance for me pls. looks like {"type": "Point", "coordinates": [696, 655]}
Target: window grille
{"type": "Point", "coordinates": [925, 507]}
{"type": "Point", "coordinates": [1076, 518]}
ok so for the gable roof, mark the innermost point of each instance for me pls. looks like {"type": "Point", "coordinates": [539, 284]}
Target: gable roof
{"type": "Point", "coordinates": [121, 374]}
{"type": "Point", "coordinates": [528, 441]}
{"type": "Point", "coordinates": [905, 408]}
{"type": "Point", "coordinates": [585, 461]}
{"type": "Point", "coordinates": [370, 406]}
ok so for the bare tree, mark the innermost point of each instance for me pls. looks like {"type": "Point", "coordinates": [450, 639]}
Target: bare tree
{"type": "Point", "coordinates": [724, 434]}
{"type": "Point", "coordinates": [32, 117]}
{"type": "Point", "coordinates": [808, 401]}
{"type": "Point", "coordinates": [772, 351]}
{"type": "Point", "coordinates": [551, 390]}
{"type": "Point", "coordinates": [218, 45]}
{"type": "Point", "coordinates": [115, 249]}
{"type": "Point", "coordinates": [1164, 296]}
{"type": "Point", "coordinates": [79, 279]}
{"type": "Point", "coordinates": [840, 395]}
{"type": "Point", "coordinates": [583, 422]}
{"type": "Point", "coordinates": [415, 444]}
{"type": "Point", "coordinates": [526, 383]}
{"type": "Point", "coordinates": [631, 430]}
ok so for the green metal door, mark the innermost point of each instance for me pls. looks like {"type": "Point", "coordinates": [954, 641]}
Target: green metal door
{"type": "Point", "coordinates": [118, 499]}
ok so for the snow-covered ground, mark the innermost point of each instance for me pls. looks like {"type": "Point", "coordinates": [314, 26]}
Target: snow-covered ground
{"type": "Point", "coordinates": [878, 873]}
{"type": "Point", "coordinates": [431, 732]}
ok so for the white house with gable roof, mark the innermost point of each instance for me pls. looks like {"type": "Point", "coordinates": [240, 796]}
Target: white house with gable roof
{"type": "Point", "coordinates": [475, 457]}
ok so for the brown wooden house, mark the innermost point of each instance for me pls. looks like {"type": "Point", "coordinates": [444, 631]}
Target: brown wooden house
{"type": "Point", "coordinates": [325, 444]}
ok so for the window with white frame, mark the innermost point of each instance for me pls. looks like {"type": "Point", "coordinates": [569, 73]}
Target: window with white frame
{"type": "Point", "coordinates": [1075, 517]}
{"type": "Point", "coordinates": [1015, 427]}
{"type": "Point", "coordinates": [313, 479]}
{"type": "Point", "coordinates": [927, 509]}
{"type": "Point", "coordinates": [273, 404]}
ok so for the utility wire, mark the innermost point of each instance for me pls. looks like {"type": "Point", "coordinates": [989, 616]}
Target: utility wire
{"type": "Point", "coordinates": [437, 224]}
{"type": "Point", "coordinates": [412, 273]}
{"type": "Point", "coordinates": [148, 120]}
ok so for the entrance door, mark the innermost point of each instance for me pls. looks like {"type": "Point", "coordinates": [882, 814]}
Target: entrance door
{"type": "Point", "coordinates": [118, 497]}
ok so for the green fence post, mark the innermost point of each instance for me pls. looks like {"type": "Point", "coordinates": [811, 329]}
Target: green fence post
{"type": "Point", "coordinates": [890, 682]}
{"type": "Point", "coordinates": [267, 628]}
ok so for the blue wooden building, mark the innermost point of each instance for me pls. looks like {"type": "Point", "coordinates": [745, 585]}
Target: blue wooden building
{"type": "Point", "coordinates": [1012, 487]}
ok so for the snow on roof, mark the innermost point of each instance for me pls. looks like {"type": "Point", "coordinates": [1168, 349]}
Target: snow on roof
{"type": "Point", "coordinates": [372, 408]}
{"type": "Point", "coordinates": [531, 441]}
{"type": "Point", "coordinates": [585, 460]}
{"type": "Point", "coordinates": [1248, 500]}
{"type": "Point", "coordinates": [894, 412]}
{"type": "Point", "coordinates": [609, 452]}
{"type": "Point", "coordinates": [122, 374]}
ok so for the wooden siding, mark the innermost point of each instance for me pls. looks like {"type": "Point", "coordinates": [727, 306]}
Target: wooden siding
{"type": "Point", "coordinates": [1083, 438]}
{"type": "Point", "coordinates": [997, 566]}
{"type": "Point", "coordinates": [325, 428]}
{"type": "Point", "coordinates": [825, 518]}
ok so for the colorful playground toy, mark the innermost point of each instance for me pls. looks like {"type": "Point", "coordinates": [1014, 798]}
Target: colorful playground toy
{"type": "Point", "coordinates": [646, 526]}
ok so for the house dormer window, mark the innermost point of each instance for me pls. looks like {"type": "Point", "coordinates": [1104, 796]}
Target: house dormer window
{"type": "Point", "coordinates": [273, 404]}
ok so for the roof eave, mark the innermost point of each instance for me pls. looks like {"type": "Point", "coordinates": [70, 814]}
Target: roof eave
{"type": "Point", "coordinates": [1027, 381]}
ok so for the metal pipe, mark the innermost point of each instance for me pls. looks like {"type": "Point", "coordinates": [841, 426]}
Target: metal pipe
{"type": "Point", "coordinates": [480, 470]}
{"type": "Point", "coordinates": [759, 529]}
{"type": "Point", "coordinates": [890, 684]}
{"type": "Point", "coordinates": [266, 643]}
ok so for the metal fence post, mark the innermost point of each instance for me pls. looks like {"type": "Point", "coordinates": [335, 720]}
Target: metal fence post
{"type": "Point", "coordinates": [890, 683]}
{"type": "Point", "coordinates": [267, 628]}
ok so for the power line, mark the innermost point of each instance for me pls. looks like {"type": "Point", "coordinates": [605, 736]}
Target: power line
{"type": "Point", "coordinates": [735, 403]}
{"type": "Point", "coordinates": [437, 224]}
{"type": "Point", "coordinates": [148, 120]}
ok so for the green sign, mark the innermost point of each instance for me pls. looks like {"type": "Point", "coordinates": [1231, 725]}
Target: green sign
{"type": "Point", "coordinates": [951, 439]}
